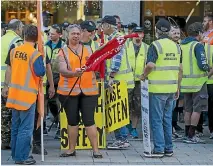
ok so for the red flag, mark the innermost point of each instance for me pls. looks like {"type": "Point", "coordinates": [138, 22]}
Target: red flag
{"type": "Point", "coordinates": [41, 50]}
{"type": "Point", "coordinates": [107, 51]}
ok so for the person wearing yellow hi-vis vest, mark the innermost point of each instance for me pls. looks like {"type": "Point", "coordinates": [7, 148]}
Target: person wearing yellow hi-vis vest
{"type": "Point", "coordinates": [195, 76]}
{"type": "Point", "coordinates": [164, 72]}
{"type": "Point", "coordinates": [9, 40]}
{"type": "Point", "coordinates": [137, 54]}
{"type": "Point", "coordinates": [209, 55]}
{"type": "Point", "coordinates": [117, 69]}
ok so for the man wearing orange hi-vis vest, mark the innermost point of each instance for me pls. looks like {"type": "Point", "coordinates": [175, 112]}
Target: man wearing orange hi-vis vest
{"type": "Point", "coordinates": [27, 67]}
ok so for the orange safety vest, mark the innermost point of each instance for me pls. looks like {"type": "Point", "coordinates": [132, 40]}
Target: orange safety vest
{"type": "Point", "coordinates": [86, 84]}
{"type": "Point", "coordinates": [209, 39]}
{"type": "Point", "coordinates": [23, 88]}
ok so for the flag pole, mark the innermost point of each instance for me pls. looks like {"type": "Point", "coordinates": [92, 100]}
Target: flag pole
{"type": "Point", "coordinates": [40, 98]}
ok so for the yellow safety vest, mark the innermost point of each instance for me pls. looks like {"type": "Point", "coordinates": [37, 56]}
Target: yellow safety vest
{"type": "Point", "coordinates": [137, 63]}
{"type": "Point", "coordinates": [94, 45]}
{"type": "Point", "coordinates": [125, 72]}
{"type": "Point", "coordinates": [209, 55]}
{"type": "Point", "coordinates": [7, 41]}
{"type": "Point", "coordinates": [193, 78]}
{"type": "Point", "coordinates": [164, 77]}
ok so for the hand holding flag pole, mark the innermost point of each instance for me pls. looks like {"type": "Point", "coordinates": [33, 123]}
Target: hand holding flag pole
{"type": "Point", "coordinates": [107, 51]}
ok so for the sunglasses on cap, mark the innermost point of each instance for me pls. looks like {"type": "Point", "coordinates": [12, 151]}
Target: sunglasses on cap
{"type": "Point", "coordinates": [57, 28]}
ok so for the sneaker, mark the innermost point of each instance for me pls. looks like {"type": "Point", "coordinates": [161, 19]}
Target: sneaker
{"type": "Point", "coordinates": [37, 150]}
{"type": "Point", "coordinates": [178, 128]}
{"type": "Point", "coordinates": [176, 136]}
{"type": "Point", "coordinates": [168, 153]}
{"type": "Point", "coordinates": [199, 134]}
{"type": "Point", "coordinates": [45, 132]}
{"type": "Point", "coordinates": [211, 136]}
{"type": "Point", "coordinates": [154, 154]}
{"type": "Point", "coordinates": [117, 145]}
{"type": "Point", "coordinates": [134, 133]}
{"type": "Point", "coordinates": [194, 140]}
{"type": "Point", "coordinates": [58, 134]}
{"type": "Point", "coordinates": [126, 144]}
{"type": "Point", "coordinates": [29, 161]}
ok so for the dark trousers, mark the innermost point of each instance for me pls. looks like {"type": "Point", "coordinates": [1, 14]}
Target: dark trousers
{"type": "Point", "coordinates": [210, 107]}
{"type": "Point", "coordinates": [36, 132]}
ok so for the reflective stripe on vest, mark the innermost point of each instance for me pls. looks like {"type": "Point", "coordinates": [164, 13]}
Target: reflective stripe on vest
{"type": "Point", "coordinates": [191, 65]}
{"type": "Point", "coordinates": [26, 87]}
{"type": "Point", "coordinates": [22, 103]}
{"type": "Point", "coordinates": [163, 81]}
{"type": "Point", "coordinates": [13, 41]}
{"type": "Point", "coordinates": [161, 68]}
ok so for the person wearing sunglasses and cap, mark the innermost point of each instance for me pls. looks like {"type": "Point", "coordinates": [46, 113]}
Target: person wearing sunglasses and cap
{"type": "Point", "coordinates": [46, 15]}
{"type": "Point", "coordinates": [163, 70]}
{"type": "Point", "coordinates": [88, 32]}
{"type": "Point", "coordinates": [137, 54]}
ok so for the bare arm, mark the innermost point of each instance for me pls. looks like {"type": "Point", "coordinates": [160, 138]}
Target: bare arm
{"type": "Point", "coordinates": [180, 75]}
{"type": "Point", "coordinates": [148, 69]}
{"type": "Point", "coordinates": [7, 76]}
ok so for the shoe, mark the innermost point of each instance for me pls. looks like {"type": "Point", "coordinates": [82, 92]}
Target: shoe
{"type": "Point", "coordinates": [68, 154]}
{"type": "Point", "coordinates": [126, 143]}
{"type": "Point", "coordinates": [29, 161]}
{"type": "Point", "coordinates": [118, 145]}
{"type": "Point", "coordinates": [176, 136]}
{"type": "Point", "coordinates": [199, 134]}
{"type": "Point", "coordinates": [205, 123]}
{"type": "Point", "coordinates": [37, 150]}
{"type": "Point", "coordinates": [45, 132]}
{"type": "Point", "coordinates": [97, 155]}
{"type": "Point", "coordinates": [194, 140]}
{"type": "Point", "coordinates": [154, 154]}
{"type": "Point", "coordinates": [134, 133]}
{"type": "Point", "coordinates": [58, 134]}
{"type": "Point", "coordinates": [5, 147]}
{"type": "Point", "coordinates": [168, 153]}
{"type": "Point", "coordinates": [211, 136]}
{"type": "Point", "coordinates": [178, 128]}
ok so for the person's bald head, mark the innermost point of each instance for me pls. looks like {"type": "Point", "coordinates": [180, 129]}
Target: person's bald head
{"type": "Point", "coordinates": [16, 26]}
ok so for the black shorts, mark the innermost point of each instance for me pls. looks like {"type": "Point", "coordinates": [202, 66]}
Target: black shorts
{"type": "Point", "coordinates": [83, 103]}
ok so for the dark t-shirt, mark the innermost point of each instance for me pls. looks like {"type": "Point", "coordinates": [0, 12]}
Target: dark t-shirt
{"type": "Point", "coordinates": [7, 61]}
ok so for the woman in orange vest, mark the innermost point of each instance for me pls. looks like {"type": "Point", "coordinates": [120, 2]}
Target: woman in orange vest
{"type": "Point", "coordinates": [84, 96]}
{"type": "Point", "coordinates": [26, 66]}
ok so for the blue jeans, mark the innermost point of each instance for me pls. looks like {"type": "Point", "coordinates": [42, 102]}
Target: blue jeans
{"type": "Point", "coordinates": [161, 108]}
{"type": "Point", "coordinates": [21, 133]}
{"type": "Point", "coordinates": [121, 134]}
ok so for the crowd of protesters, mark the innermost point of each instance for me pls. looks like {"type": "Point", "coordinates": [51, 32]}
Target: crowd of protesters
{"type": "Point", "coordinates": [179, 72]}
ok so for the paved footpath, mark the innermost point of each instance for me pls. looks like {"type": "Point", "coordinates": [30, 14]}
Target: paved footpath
{"type": "Point", "coordinates": [187, 154]}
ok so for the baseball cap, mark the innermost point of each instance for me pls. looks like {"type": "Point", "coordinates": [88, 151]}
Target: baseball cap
{"type": "Point", "coordinates": [88, 25]}
{"type": "Point", "coordinates": [109, 19]}
{"type": "Point", "coordinates": [138, 29]}
{"type": "Point", "coordinates": [163, 25]}
{"type": "Point", "coordinates": [195, 27]}
{"type": "Point", "coordinates": [46, 13]}
{"type": "Point", "coordinates": [57, 28]}
{"type": "Point", "coordinates": [65, 24]}
{"type": "Point", "coordinates": [131, 25]}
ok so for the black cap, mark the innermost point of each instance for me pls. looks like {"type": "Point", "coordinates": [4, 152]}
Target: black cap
{"type": "Point", "coordinates": [195, 27]}
{"type": "Point", "coordinates": [46, 13]}
{"type": "Point", "coordinates": [109, 19]}
{"type": "Point", "coordinates": [132, 25]}
{"type": "Point", "coordinates": [65, 24]}
{"type": "Point", "coordinates": [138, 29]}
{"type": "Point", "coordinates": [88, 25]}
{"type": "Point", "coordinates": [163, 25]}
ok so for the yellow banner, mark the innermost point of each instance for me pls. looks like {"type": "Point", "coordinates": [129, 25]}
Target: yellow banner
{"type": "Point", "coordinates": [83, 140]}
{"type": "Point", "coordinates": [116, 107]}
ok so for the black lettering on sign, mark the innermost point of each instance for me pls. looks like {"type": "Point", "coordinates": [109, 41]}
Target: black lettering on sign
{"type": "Point", "coordinates": [108, 117]}
{"type": "Point", "coordinates": [21, 55]}
{"type": "Point", "coordinates": [118, 111]}
{"type": "Point", "coordinates": [106, 97]}
{"type": "Point", "coordinates": [113, 107]}
{"type": "Point", "coordinates": [100, 131]}
{"type": "Point", "coordinates": [113, 95]}
{"type": "Point", "coordinates": [64, 138]}
{"type": "Point", "coordinates": [84, 137]}
{"type": "Point", "coordinates": [118, 90]}
{"type": "Point", "coordinates": [78, 139]}
{"type": "Point", "coordinates": [124, 109]}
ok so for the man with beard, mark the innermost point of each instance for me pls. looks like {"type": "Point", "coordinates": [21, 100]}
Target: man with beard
{"type": "Point", "coordinates": [175, 36]}
{"type": "Point", "coordinates": [208, 28]}
{"type": "Point", "coordinates": [137, 54]}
